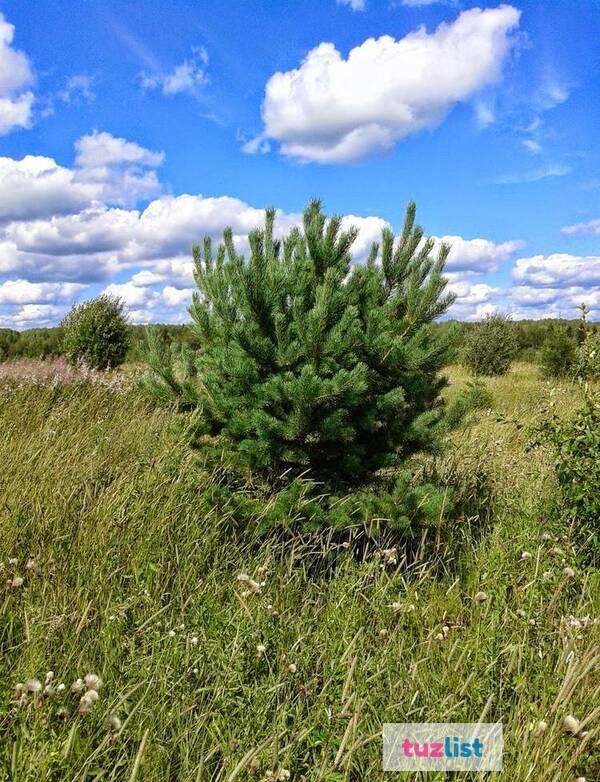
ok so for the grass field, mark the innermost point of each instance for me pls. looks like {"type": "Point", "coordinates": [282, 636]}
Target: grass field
{"type": "Point", "coordinates": [131, 574]}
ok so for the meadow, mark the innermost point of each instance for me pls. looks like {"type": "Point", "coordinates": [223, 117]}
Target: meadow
{"type": "Point", "coordinates": [224, 656]}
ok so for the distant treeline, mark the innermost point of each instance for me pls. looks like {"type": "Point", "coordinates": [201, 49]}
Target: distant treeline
{"type": "Point", "coordinates": [45, 343]}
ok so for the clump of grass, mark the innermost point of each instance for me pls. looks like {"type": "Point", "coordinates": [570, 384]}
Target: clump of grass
{"type": "Point", "coordinates": [206, 677]}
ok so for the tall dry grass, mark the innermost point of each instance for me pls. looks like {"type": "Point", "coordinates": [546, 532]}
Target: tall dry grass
{"type": "Point", "coordinates": [130, 573]}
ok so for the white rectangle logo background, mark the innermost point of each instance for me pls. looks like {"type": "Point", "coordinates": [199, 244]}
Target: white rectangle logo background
{"type": "Point", "coordinates": [442, 746]}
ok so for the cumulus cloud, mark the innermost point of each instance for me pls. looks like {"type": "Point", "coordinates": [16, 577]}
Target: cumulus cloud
{"type": "Point", "coordinates": [58, 237]}
{"type": "Point", "coordinates": [16, 80]}
{"type": "Point", "coordinates": [333, 109]}
{"type": "Point", "coordinates": [185, 77]}
{"type": "Point", "coordinates": [97, 150]}
{"type": "Point", "coordinates": [591, 227]}
{"type": "Point", "coordinates": [108, 170]}
{"type": "Point", "coordinates": [558, 269]}
{"type": "Point", "coordinates": [477, 256]}
{"type": "Point", "coordinates": [31, 316]}
{"type": "Point", "coordinates": [26, 292]}
{"type": "Point", "coordinates": [38, 187]}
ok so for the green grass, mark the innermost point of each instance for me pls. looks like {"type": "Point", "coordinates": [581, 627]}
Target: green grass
{"type": "Point", "coordinates": [136, 580]}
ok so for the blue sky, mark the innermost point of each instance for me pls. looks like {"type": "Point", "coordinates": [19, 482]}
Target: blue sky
{"type": "Point", "coordinates": [128, 130]}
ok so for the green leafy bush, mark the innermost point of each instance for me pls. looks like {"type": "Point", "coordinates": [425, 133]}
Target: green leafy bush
{"type": "Point", "coordinates": [575, 444]}
{"type": "Point", "coordinates": [559, 354]}
{"type": "Point", "coordinates": [95, 333]}
{"type": "Point", "coordinates": [490, 346]}
{"type": "Point", "coordinates": [308, 361]}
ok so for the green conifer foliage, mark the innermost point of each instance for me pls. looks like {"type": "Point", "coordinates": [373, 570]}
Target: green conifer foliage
{"type": "Point", "coordinates": [311, 362]}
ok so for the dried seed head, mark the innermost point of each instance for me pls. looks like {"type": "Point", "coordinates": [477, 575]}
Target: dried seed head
{"type": "Point", "coordinates": [525, 555]}
{"type": "Point", "coordinates": [92, 682]}
{"type": "Point", "coordinates": [171, 633]}
{"type": "Point", "coordinates": [261, 650]}
{"type": "Point", "coordinates": [383, 633]}
{"type": "Point", "coordinates": [13, 561]}
{"type": "Point", "coordinates": [557, 552]}
{"type": "Point", "coordinates": [33, 685]}
{"type": "Point", "coordinates": [539, 728]}
{"type": "Point", "coordinates": [113, 724]}
{"type": "Point", "coordinates": [395, 606]}
{"type": "Point", "coordinates": [61, 687]}
{"type": "Point", "coordinates": [87, 700]}
{"type": "Point", "coordinates": [439, 637]}
{"type": "Point", "coordinates": [581, 779]}
{"type": "Point", "coordinates": [77, 686]}
{"type": "Point", "coordinates": [480, 597]}
{"type": "Point", "coordinates": [445, 630]}
{"type": "Point", "coordinates": [194, 640]}
{"type": "Point", "coordinates": [49, 677]}
{"type": "Point", "coordinates": [345, 545]}
{"type": "Point", "coordinates": [570, 725]}
{"type": "Point", "coordinates": [569, 572]}
{"type": "Point", "coordinates": [16, 582]}
{"type": "Point", "coordinates": [19, 690]}
{"type": "Point", "coordinates": [30, 565]}
{"type": "Point", "coordinates": [243, 577]}
{"type": "Point", "coordinates": [292, 667]}
{"type": "Point", "coordinates": [283, 775]}
{"type": "Point", "coordinates": [521, 613]}
{"type": "Point", "coordinates": [62, 713]}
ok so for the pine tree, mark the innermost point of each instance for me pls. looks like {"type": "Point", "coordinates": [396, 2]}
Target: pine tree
{"type": "Point", "coordinates": [308, 361]}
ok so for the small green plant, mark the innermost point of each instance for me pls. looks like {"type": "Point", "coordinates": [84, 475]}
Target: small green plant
{"type": "Point", "coordinates": [587, 359]}
{"type": "Point", "coordinates": [559, 354]}
{"type": "Point", "coordinates": [489, 347]}
{"type": "Point", "coordinates": [95, 333]}
{"type": "Point", "coordinates": [308, 361]}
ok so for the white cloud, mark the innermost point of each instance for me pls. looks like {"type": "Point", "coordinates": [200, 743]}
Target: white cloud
{"type": "Point", "coordinates": [558, 270]}
{"type": "Point", "coordinates": [478, 256]}
{"type": "Point", "coordinates": [334, 110]}
{"type": "Point", "coordinates": [581, 229]}
{"type": "Point", "coordinates": [97, 150]}
{"type": "Point", "coordinates": [355, 5]}
{"type": "Point", "coordinates": [78, 88]}
{"type": "Point", "coordinates": [94, 230]}
{"type": "Point", "coordinates": [537, 174]}
{"type": "Point", "coordinates": [25, 292]}
{"type": "Point", "coordinates": [38, 187]}
{"type": "Point", "coordinates": [16, 77]}
{"type": "Point", "coordinates": [186, 77]}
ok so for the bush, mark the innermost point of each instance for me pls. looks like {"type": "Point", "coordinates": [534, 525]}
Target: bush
{"type": "Point", "coordinates": [95, 333]}
{"type": "Point", "coordinates": [490, 347]}
{"type": "Point", "coordinates": [576, 447]}
{"type": "Point", "coordinates": [559, 354]}
{"type": "Point", "coordinates": [310, 362]}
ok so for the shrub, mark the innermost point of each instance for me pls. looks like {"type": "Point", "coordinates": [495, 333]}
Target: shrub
{"type": "Point", "coordinates": [559, 354]}
{"type": "Point", "coordinates": [587, 359]}
{"type": "Point", "coordinates": [490, 346]}
{"type": "Point", "coordinates": [310, 362]}
{"type": "Point", "coordinates": [576, 447]}
{"type": "Point", "coordinates": [95, 333]}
